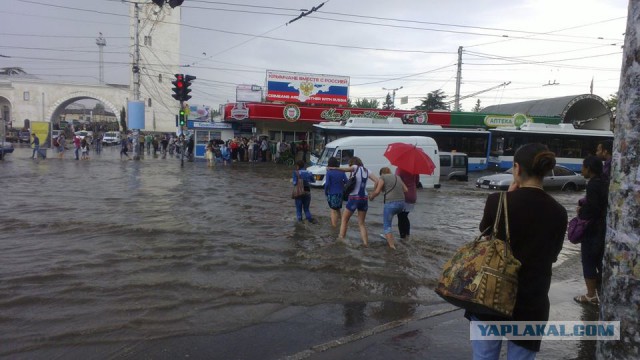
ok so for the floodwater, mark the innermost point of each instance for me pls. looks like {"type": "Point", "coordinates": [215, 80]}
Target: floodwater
{"type": "Point", "coordinates": [110, 251]}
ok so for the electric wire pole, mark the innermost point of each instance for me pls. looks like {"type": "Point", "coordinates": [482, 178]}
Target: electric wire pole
{"type": "Point", "coordinates": [393, 96]}
{"type": "Point", "coordinates": [456, 104]}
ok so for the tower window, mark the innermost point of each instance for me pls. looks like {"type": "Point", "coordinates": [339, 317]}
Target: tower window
{"type": "Point", "coordinates": [147, 40]}
{"type": "Point", "coordinates": [149, 102]}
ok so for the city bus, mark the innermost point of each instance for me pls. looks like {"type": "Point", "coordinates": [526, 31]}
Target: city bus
{"type": "Point", "coordinates": [570, 145]}
{"type": "Point", "coordinates": [473, 142]}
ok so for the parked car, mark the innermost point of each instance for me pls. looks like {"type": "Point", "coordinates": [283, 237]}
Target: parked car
{"type": "Point", "coordinates": [111, 138]}
{"type": "Point", "coordinates": [454, 166]}
{"type": "Point", "coordinates": [84, 133]}
{"type": "Point", "coordinates": [24, 136]}
{"type": "Point", "coordinates": [560, 178]}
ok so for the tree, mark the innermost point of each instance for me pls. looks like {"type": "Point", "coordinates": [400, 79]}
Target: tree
{"type": "Point", "coordinates": [388, 103]}
{"type": "Point", "coordinates": [367, 103]}
{"type": "Point", "coordinates": [434, 101]}
{"type": "Point", "coordinates": [477, 107]}
{"type": "Point", "coordinates": [98, 108]}
{"type": "Point", "coordinates": [612, 101]}
{"type": "Point", "coordinates": [621, 276]}
{"type": "Point", "coordinates": [123, 120]}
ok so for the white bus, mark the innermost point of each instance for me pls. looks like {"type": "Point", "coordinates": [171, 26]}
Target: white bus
{"type": "Point", "coordinates": [570, 145]}
{"type": "Point", "coordinates": [473, 142]}
{"type": "Point", "coordinates": [371, 149]}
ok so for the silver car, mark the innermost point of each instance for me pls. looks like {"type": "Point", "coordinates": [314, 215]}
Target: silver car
{"type": "Point", "coordinates": [560, 178]}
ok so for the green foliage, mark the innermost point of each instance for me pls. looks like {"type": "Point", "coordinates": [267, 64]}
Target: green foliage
{"type": "Point", "coordinates": [612, 101]}
{"type": "Point", "coordinates": [367, 103]}
{"type": "Point", "coordinates": [388, 103]}
{"type": "Point", "coordinates": [123, 120]}
{"type": "Point", "coordinates": [477, 107]}
{"type": "Point", "coordinates": [434, 101]}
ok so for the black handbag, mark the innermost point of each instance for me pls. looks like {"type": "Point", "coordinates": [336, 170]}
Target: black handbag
{"type": "Point", "coordinates": [349, 185]}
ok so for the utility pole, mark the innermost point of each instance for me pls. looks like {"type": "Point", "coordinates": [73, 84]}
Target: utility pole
{"type": "Point", "coordinates": [393, 96]}
{"type": "Point", "coordinates": [136, 77]}
{"type": "Point", "coordinates": [620, 295]}
{"type": "Point", "coordinates": [101, 42]}
{"type": "Point", "coordinates": [456, 104]}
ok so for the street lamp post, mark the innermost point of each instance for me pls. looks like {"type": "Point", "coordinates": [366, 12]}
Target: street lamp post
{"type": "Point", "coordinates": [393, 96]}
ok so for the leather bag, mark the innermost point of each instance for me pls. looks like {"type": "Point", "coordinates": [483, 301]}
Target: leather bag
{"type": "Point", "coordinates": [482, 275]}
{"type": "Point", "coordinates": [298, 188]}
{"type": "Point", "coordinates": [349, 185]}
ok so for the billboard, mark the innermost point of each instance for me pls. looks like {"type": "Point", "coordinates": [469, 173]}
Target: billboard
{"type": "Point", "coordinates": [307, 88]}
{"type": "Point", "coordinates": [248, 93]}
{"type": "Point", "coordinates": [43, 130]}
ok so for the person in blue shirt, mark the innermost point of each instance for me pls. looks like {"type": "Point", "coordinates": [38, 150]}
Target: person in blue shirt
{"type": "Point", "coordinates": [333, 187]}
{"type": "Point", "coordinates": [303, 202]}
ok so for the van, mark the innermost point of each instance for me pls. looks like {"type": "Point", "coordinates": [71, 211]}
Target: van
{"type": "Point", "coordinates": [111, 138]}
{"type": "Point", "coordinates": [454, 166]}
{"type": "Point", "coordinates": [371, 149]}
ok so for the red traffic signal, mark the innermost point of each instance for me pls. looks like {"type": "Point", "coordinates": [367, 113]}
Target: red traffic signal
{"type": "Point", "coordinates": [187, 84]}
{"type": "Point", "coordinates": [178, 87]}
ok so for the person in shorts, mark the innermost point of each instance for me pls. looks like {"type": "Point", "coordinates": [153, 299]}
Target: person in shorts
{"type": "Point", "coordinates": [358, 198]}
{"type": "Point", "coordinates": [333, 187]}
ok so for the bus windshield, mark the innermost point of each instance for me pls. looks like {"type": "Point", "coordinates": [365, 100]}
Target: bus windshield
{"type": "Point", "coordinates": [324, 157]}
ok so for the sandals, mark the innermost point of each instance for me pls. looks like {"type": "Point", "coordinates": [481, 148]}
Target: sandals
{"type": "Point", "coordinates": [584, 299]}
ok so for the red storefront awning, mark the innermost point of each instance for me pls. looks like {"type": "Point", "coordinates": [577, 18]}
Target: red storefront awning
{"type": "Point", "coordinates": [294, 112]}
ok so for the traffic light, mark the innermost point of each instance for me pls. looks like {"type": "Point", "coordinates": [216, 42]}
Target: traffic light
{"type": "Point", "coordinates": [182, 118]}
{"type": "Point", "coordinates": [178, 87]}
{"type": "Point", "coordinates": [174, 3]}
{"type": "Point", "coordinates": [187, 83]}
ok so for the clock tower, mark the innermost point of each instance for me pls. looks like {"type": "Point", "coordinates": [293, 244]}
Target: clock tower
{"type": "Point", "coordinates": [159, 46]}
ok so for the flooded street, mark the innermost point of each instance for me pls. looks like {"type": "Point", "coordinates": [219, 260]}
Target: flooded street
{"type": "Point", "coordinates": [106, 251]}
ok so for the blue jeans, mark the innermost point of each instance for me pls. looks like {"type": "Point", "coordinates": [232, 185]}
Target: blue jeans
{"type": "Point", "coordinates": [36, 150]}
{"type": "Point", "coordinates": [490, 349]}
{"type": "Point", "coordinates": [391, 209]}
{"type": "Point", "coordinates": [303, 202]}
{"type": "Point", "coordinates": [77, 153]}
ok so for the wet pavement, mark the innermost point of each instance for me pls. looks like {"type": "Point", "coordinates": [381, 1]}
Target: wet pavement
{"type": "Point", "coordinates": [147, 259]}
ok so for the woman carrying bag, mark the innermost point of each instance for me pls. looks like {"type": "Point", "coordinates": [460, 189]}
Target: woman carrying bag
{"type": "Point", "coordinates": [537, 226]}
{"type": "Point", "coordinates": [393, 189]}
{"type": "Point", "coordinates": [302, 198]}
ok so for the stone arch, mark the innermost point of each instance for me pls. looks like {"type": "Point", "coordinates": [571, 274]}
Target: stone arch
{"type": "Point", "coordinates": [6, 111]}
{"type": "Point", "coordinates": [72, 97]}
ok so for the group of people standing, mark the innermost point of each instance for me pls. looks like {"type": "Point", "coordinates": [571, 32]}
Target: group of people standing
{"type": "Point", "coordinates": [399, 193]}
{"type": "Point", "coordinates": [81, 147]}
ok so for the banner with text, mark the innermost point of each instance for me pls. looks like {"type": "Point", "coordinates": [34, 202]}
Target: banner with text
{"type": "Point", "coordinates": [307, 88]}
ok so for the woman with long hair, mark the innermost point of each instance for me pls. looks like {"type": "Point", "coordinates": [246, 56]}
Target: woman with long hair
{"type": "Point", "coordinates": [358, 198]}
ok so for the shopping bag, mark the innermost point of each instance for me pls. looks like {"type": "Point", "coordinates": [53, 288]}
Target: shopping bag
{"type": "Point", "coordinates": [482, 275]}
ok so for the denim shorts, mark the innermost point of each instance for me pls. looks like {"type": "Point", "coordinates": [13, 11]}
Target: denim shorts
{"type": "Point", "coordinates": [357, 203]}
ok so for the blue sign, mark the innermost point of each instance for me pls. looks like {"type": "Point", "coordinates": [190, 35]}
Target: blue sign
{"type": "Point", "coordinates": [135, 114]}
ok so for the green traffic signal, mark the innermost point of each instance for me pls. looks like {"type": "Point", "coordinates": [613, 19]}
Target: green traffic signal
{"type": "Point", "coordinates": [182, 118]}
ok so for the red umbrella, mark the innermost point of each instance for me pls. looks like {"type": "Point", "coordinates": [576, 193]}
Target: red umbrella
{"type": "Point", "coordinates": [409, 158]}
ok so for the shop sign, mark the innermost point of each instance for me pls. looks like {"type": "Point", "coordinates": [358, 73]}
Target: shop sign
{"type": "Point", "coordinates": [337, 115]}
{"type": "Point", "coordinates": [240, 111]}
{"type": "Point", "coordinates": [291, 113]}
{"type": "Point", "coordinates": [507, 120]}
{"type": "Point", "coordinates": [209, 125]}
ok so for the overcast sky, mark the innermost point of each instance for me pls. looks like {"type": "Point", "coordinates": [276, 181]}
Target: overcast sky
{"type": "Point", "coordinates": [379, 44]}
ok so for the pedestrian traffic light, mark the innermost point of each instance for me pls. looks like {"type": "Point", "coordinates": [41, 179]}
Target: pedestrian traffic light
{"type": "Point", "coordinates": [182, 118]}
{"type": "Point", "coordinates": [178, 87]}
{"type": "Point", "coordinates": [187, 84]}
